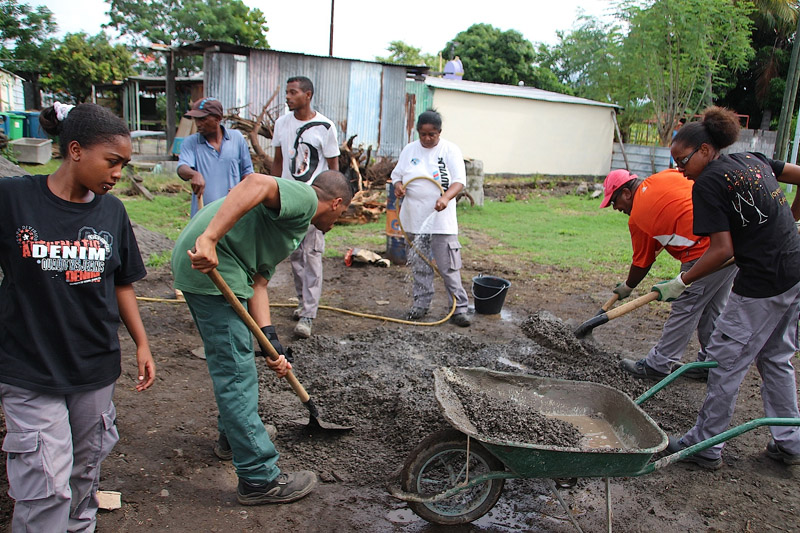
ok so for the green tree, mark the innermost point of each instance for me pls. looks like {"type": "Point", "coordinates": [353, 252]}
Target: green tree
{"type": "Point", "coordinates": [758, 91]}
{"type": "Point", "coordinates": [81, 61]}
{"type": "Point", "coordinates": [495, 56]}
{"type": "Point", "coordinates": [25, 41]}
{"type": "Point", "coordinates": [177, 22]}
{"type": "Point", "coordinates": [679, 52]}
{"type": "Point", "coordinates": [405, 54]}
{"type": "Point", "coordinates": [587, 59]}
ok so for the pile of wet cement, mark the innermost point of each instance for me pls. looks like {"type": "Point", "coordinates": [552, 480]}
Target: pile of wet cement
{"type": "Point", "coordinates": [504, 419]}
{"type": "Point", "coordinates": [381, 382]}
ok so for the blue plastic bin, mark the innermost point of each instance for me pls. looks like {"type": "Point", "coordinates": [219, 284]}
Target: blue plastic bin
{"type": "Point", "coordinates": [32, 126]}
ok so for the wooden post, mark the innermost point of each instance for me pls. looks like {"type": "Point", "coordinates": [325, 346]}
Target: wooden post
{"type": "Point", "coordinates": [619, 138]}
{"type": "Point", "coordinates": [170, 119]}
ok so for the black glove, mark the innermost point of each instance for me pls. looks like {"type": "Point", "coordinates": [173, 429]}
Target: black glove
{"type": "Point", "coordinates": [272, 337]}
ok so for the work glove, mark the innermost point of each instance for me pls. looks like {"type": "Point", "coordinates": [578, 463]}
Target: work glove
{"type": "Point", "coordinates": [669, 290]}
{"type": "Point", "coordinates": [622, 290]}
{"type": "Point", "coordinates": [272, 337]}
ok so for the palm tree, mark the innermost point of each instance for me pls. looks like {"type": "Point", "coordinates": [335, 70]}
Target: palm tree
{"type": "Point", "coordinates": [775, 21]}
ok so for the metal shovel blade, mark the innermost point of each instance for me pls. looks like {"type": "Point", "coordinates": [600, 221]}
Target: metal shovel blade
{"type": "Point", "coordinates": [315, 423]}
{"type": "Point", "coordinates": [586, 328]}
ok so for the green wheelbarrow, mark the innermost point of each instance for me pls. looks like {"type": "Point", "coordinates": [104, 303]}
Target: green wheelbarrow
{"type": "Point", "coordinates": [455, 476]}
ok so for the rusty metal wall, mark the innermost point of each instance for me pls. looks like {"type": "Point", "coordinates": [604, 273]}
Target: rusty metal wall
{"type": "Point", "coordinates": [364, 103]}
{"type": "Point", "coordinates": [419, 98]}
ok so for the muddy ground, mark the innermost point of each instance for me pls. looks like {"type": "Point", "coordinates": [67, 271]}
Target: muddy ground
{"type": "Point", "coordinates": [377, 377]}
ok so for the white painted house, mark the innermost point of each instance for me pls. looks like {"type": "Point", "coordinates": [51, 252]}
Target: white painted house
{"type": "Point", "coordinates": [12, 95]}
{"type": "Point", "coordinates": [524, 130]}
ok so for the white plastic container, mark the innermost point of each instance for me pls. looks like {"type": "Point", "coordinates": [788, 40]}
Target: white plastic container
{"type": "Point", "coordinates": [32, 150]}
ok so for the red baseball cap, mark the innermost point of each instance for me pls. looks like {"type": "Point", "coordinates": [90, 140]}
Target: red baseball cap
{"type": "Point", "coordinates": [615, 180]}
{"type": "Point", "coordinates": [204, 107]}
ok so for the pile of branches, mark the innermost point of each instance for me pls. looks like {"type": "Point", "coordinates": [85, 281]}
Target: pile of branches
{"type": "Point", "coordinates": [262, 125]}
{"type": "Point", "coordinates": [367, 177]}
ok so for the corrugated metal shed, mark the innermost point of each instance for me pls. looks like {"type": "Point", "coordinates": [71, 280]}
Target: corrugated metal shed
{"type": "Point", "coordinates": [331, 79]}
{"type": "Point", "coordinates": [364, 103]}
{"type": "Point", "coordinates": [392, 119]}
{"type": "Point", "coordinates": [264, 82]}
{"type": "Point", "coordinates": [225, 78]}
{"type": "Point", "coordinates": [362, 98]}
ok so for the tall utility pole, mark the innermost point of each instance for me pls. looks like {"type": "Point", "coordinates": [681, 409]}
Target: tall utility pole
{"type": "Point", "coordinates": [330, 46]}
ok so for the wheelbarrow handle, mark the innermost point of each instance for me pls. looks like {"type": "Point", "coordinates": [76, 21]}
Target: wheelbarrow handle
{"type": "Point", "coordinates": [713, 441]}
{"type": "Point", "coordinates": [253, 327]}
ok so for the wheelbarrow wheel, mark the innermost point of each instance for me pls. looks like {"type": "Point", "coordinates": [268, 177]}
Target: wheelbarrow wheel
{"type": "Point", "coordinates": [438, 464]}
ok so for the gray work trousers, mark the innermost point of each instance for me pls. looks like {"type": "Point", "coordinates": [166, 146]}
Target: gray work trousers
{"type": "Point", "coordinates": [446, 252]}
{"type": "Point", "coordinates": [763, 330]}
{"type": "Point", "coordinates": [695, 309]}
{"type": "Point", "coordinates": [55, 444]}
{"type": "Point", "coordinates": [307, 271]}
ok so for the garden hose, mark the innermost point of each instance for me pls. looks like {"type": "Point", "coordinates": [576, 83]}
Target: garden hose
{"type": "Point", "coordinates": [347, 311]}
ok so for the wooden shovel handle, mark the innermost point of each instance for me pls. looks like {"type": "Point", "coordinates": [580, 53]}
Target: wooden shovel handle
{"type": "Point", "coordinates": [633, 304]}
{"type": "Point", "coordinates": [606, 306]}
{"type": "Point", "coordinates": [253, 327]}
{"type": "Point", "coordinates": [199, 202]}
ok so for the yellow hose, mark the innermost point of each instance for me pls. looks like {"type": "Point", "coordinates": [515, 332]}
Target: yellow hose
{"type": "Point", "coordinates": [347, 311]}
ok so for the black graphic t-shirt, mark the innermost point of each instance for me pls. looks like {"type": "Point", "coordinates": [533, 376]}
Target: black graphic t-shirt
{"type": "Point", "coordinates": [740, 193]}
{"type": "Point", "coordinates": [61, 263]}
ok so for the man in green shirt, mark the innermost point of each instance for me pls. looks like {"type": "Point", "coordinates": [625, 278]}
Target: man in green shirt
{"type": "Point", "coordinates": [245, 235]}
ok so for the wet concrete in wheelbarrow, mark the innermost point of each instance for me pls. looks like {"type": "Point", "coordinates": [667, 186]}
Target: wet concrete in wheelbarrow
{"type": "Point", "coordinates": [515, 422]}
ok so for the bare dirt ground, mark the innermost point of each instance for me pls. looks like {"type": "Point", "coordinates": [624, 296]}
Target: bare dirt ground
{"type": "Point", "coordinates": [377, 377]}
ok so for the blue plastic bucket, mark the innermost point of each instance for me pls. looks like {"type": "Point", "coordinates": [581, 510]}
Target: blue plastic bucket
{"type": "Point", "coordinates": [489, 293]}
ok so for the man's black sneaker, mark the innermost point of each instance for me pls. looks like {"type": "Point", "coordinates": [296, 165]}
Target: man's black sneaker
{"type": "Point", "coordinates": [675, 445]}
{"type": "Point", "coordinates": [774, 452]}
{"type": "Point", "coordinates": [287, 487]}
{"type": "Point", "coordinates": [222, 448]}
{"type": "Point", "coordinates": [640, 369]}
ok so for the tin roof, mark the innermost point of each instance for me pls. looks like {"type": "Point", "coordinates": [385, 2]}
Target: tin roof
{"type": "Point", "coordinates": [514, 91]}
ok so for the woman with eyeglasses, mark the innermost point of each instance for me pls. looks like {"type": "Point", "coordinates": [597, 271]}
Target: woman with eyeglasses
{"type": "Point", "coordinates": [740, 206]}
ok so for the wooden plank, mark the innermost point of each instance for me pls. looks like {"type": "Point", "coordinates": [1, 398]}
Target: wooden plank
{"type": "Point", "coordinates": [137, 185]}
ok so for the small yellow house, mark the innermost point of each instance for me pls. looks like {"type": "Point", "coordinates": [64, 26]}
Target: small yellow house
{"type": "Point", "coordinates": [524, 130]}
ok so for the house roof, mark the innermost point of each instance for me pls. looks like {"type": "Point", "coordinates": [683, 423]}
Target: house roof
{"type": "Point", "coordinates": [4, 71]}
{"type": "Point", "coordinates": [514, 91]}
{"type": "Point", "coordinates": [200, 47]}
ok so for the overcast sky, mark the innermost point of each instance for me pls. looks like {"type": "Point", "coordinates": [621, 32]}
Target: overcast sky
{"type": "Point", "coordinates": [363, 30]}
